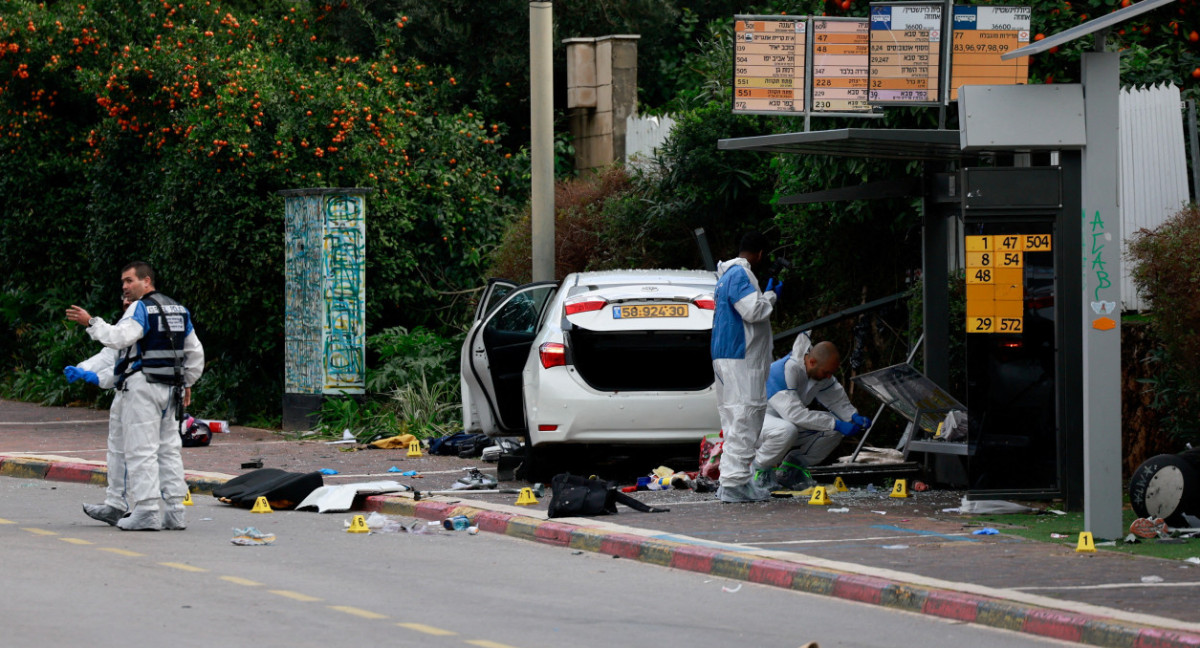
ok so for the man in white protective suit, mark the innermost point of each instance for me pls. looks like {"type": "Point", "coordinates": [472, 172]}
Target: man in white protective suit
{"type": "Point", "coordinates": [159, 359]}
{"type": "Point", "coordinates": [794, 437]}
{"type": "Point", "coordinates": [98, 370]}
{"type": "Point", "coordinates": [741, 355]}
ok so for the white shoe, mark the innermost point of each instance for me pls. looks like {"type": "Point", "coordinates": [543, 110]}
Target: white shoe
{"type": "Point", "coordinates": [141, 520]}
{"type": "Point", "coordinates": [175, 519]}
{"type": "Point", "coordinates": [103, 512]}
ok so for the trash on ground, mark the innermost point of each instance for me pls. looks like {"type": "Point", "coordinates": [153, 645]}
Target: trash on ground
{"type": "Point", "coordinates": [662, 471]}
{"type": "Point", "coordinates": [1132, 539]}
{"type": "Point", "coordinates": [397, 442]}
{"type": "Point", "coordinates": [1150, 527]}
{"type": "Point", "coordinates": [920, 486]}
{"type": "Point", "coordinates": [871, 488]}
{"type": "Point", "coordinates": [403, 473]}
{"type": "Point", "coordinates": [1059, 536]}
{"type": "Point", "coordinates": [1107, 543]}
{"type": "Point", "coordinates": [880, 512]}
{"type": "Point", "coordinates": [378, 523]}
{"type": "Point", "coordinates": [340, 497]}
{"type": "Point", "coordinates": [1194, 560]}
{"type": "Point", "coordinates": [985, 531]}
{"type": "Point", "coordinates": [250, 537]}
{"type": "Point", "coordinates": [257, 463]}
{"type": "Point", "coordinates": [838, 510]}
{"type": "Point", "coordinates": [731, 590]}
{"type": "Point", "coordinates": [993, 507]}
{"type": "Point", "coordinates": [474, 480]}
{"type": "Point", "coordinates": [473, 530]}
{"type": "Point", "coordinates": [1056, 511]}
{"type": "Point", "coordinates": [953, 509]}
{"type": "Point", "coordinates": [1152, 579]}
{"type": "Point", "coordinates": [456, 523]}
{"type": "Point", "coordinates": [895, 546]}
{"type": "Point", "coordinates": [347, 438]}
{"type": "Point", "coordinates": [328, 471]}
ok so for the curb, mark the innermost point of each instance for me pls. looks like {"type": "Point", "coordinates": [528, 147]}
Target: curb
{"type": "Point", "coordinates": [942, 603]}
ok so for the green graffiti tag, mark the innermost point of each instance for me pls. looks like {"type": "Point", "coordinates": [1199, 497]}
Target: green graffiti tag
{"type": "Point", "coordinates": [1098, 263]}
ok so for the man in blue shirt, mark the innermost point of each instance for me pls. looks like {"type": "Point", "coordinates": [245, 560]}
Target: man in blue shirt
{"type": "Point", "coordinates": [741, 354]}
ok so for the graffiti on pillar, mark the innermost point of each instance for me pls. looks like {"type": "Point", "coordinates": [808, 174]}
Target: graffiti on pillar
{"type": "Point", "coordinates": [324, 293]}
{"type": "Point", "coordinates": [345, 294]}
{"type": "Point", "coordinates": [1097, 273]}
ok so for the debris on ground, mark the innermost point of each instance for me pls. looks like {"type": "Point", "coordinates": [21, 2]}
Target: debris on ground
{"type": "Point", "coordinates": [251, 537]}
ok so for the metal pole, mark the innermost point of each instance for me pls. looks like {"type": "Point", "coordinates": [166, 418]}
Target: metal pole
{"type": "Point", "coordinates": [1101, 228]}
{"type": "Point", "coordinates": [541, 126]}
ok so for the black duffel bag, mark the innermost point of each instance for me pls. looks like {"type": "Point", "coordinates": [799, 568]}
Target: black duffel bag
{"type": "Point", "coordinates": [283, 490]}
{"type": "Point", "coordinates": [575, 496]}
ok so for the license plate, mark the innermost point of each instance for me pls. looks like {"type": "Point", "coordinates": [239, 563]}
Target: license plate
{"type": "Point", "coordinates": [650, 310]}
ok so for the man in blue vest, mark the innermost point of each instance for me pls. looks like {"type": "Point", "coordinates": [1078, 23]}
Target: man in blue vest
{"type": "Point", "coordinates": [741, 354]}
{"type": "Point", "coordinates": [159, 359]}
{"type": "Point", "coordinates": [795, 381]}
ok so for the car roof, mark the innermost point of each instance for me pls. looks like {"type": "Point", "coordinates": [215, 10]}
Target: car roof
{"type": "Point", "coordinates": [622, 277]}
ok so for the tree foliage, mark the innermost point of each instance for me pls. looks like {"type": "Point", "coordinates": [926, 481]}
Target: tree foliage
{"type": "Point", "coordinates": [163, 131]}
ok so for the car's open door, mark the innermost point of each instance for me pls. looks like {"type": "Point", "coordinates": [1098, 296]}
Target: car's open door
{"type": "Point", "coordinates": [494, 354]}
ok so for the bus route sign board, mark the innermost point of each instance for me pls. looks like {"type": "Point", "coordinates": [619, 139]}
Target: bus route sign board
{"type": "Point", "coordinates": [841, 54]}
{"type": "Point", "coordinates": [981, 36]}
{"type": "Point", "coordinates": [905, 43]}
{"type": "Point", "coordinates": [769, 64]}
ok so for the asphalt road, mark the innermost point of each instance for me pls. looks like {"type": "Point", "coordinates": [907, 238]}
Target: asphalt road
{"type": "Point", "coordinates": [70, 580]}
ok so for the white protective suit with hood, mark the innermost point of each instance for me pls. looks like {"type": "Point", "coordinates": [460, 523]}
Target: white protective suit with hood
{"type": "Point", "coordinates": [146, 418]}
{"type": "Point", "coordinates": [741, 353]}
{"type": "Point", "coordinates": [789, 393]}
{"type": "Point", "coordinates": [102, 365]}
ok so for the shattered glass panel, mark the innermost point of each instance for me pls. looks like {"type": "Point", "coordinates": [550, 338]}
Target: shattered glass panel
{"type": "Point", "coordinates": [908, 391]}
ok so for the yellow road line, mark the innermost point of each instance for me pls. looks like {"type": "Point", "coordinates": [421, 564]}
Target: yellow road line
{"type": "Point", "coordinates": [296, 596]}
{"type": "Point", "coordinates": [39, 531]}
{"type": "Point", "coordinates": [421, 627]}
{"type": "Point", "coordinates": [77, 541]}
{"type": "Point", "coordinates": [241, 581]}
{"type": "Point", "coordinates": [484, 643]}
{"type": "Point", "coordinates": [358, 612]}
{"type": "Point", "coordinates": [181, 566]}
{"type": "Point", "coordinates": [3, 521]}
{"type": "Point", "coordinates": [121, 552]}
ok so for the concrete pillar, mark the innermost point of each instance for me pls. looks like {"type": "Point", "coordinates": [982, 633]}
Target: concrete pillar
{"type": "Point", "coordinates": [601, 95]}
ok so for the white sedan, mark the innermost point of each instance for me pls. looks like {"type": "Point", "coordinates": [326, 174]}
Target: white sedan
{"type": "Point", "coordinates": [617, 357]}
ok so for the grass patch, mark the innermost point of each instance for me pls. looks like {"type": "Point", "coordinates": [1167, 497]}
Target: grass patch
{"type": "Point", "coordinates": [1039, 526]}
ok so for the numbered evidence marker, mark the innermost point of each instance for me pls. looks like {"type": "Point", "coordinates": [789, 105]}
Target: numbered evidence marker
{"type": "Point", "coordinates": [768, 67]}
{"type": "Point", "coordinates": [995, 284]}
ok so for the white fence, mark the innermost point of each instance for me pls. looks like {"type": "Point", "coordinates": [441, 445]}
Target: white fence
{"type": "Point", "coordinates": [1153, 168]}
{"type": "Point", "coordinates": [645, 134]}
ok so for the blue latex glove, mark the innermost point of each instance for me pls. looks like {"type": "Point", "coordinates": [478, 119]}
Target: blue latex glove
{"type": "Point", "coordinates": [847, 428]}
{"type": "Point", "coordinates": [775, 286]}
{"type": "Point", "coordinates": [74, 373]}
{"type": "Point", "coordinates": [861, 421]}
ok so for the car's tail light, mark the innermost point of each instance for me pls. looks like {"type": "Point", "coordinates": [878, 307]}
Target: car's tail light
{"type": "Point", "coordinates": [706, 302]}
{"type": "Point", "coordinates": [547, 428]}
{"type": "Point", "coordinates": [552, 354]}
{"type": "Point", "coordinates": [584, 304]}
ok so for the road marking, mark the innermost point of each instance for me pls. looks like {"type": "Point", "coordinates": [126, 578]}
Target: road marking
{"type": "Point", "coordinates": [358, 612]}
{"type": "Point", "coordinates": [421, 627]}
{"type": "Point", "coordinates": [928, 534]}
{"type": "Point", "coordinates": [3, 521]}
{"type": "Point", "coordinates": [241, 581]}
{"type": "Point", "coordinates": [121, 552]}
{"type": "Point", "coordinates": [1104, 586]}
{"type": "Point", "coordinates": [35, 531]}
{"type": "Point", "coordinates": [295, 596]}
{"type": "Point", "coordinates": [484, 643]}
{"type": "Point", "coordinates": [839, 540]}
{"type": "Point", "coordinates": [182, 566]}
{"type": "Point", "coordinates": [77, 541]}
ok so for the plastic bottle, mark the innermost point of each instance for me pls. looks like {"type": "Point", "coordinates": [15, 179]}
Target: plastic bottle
{"type": "Point", "coordinates": [456, 523]}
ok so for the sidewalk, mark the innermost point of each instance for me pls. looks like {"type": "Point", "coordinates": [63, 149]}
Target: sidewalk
{"type": "Point", "coordinates": [901, 553]}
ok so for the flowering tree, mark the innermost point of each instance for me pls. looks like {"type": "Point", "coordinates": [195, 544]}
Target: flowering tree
{"type": "Point", "coordinates": [163, 131]}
